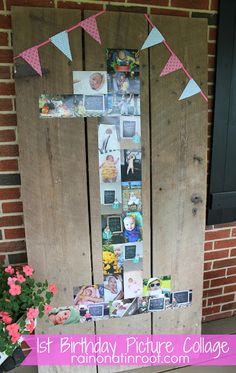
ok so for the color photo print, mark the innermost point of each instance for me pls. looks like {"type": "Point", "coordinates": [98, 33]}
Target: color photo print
{"type": "Point", "coordinates": [72, 106]}
{"type": "Point", "coordinates": [124, 291]}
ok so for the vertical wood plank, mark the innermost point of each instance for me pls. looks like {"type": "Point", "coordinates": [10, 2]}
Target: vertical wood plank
{"type": "Point", "coordinates": [119, 30]}
{"type": "Point", "coordinates": [179, 135]}
{"type": "Point", "coordinates": [53, 166]}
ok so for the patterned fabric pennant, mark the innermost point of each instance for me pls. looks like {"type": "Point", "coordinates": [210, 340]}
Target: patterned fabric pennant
{"type": "Point", "coordinates": [61, 41]}
{"type": "Point", "coordinates": [172, 64]}
{"type": "Point", "coordinates": [31, 56]}
{"type": "Point", "coordinates": [90, 25]}
{"type": "Point", "coordinates": [191, 89]}
{"type": "Point", "coordinates": [155, 37]}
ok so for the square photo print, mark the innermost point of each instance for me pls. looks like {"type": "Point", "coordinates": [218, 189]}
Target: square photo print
{"type": "Point", "coordinates": [90, 82]}
{"type": "Point", "coordinates": [113, 288]}
{"type": "Point", "coordinates": [109, 167]}
{"type": "Point", "coordinates": [157, 287]}
{"type": "Point", "coordinates": [131, 165]}
{"type": "Point", "coordinates": [132, 196]}
{"type": "Point", "coordinates": [88, 294]}
{"type": "Point", "coordinates": [113, 259]}
{"type": "Point", "coordinates": [122, 60]}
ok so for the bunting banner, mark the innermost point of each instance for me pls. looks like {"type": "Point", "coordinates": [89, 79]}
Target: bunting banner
{"type": "Point", "coordinates": [90, 26]}
{"type": "Point", "coordinates": [173, 64]}
{"type": "Point", "coordinates": [155, 37]}
{"type": "Point", "coordinates": [61, 41]}
{"type": "Point", "coordinates": [191, 89]}
{"type": "Point", "coordinates": [31, 56]}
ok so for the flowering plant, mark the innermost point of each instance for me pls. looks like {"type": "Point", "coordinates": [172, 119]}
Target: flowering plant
{"type": "Point", "coordinates": [22, 300]}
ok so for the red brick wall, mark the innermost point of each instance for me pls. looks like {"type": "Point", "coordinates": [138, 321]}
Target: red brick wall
{"type": "Point", "coordinates": [220, 247]}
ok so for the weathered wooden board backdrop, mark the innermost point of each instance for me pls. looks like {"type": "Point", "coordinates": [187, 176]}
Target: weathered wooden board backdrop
{"type": "Point", "coordinates": [59, 164]}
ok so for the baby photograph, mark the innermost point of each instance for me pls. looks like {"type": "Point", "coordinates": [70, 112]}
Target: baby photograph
{"type": "Point", "coordinates": [107, 138]}
{"type": "Point", "coordinates": [132, 196]}
{"type": "Point", "coordinates": [131, 165]}
{"type": "Point", "coordinates": [157, 287]}
{"type": "Point", "coordinates": [109, 167]}
{"type": "Point", "coordinates": [124, 307]}
{"type": "Point", "coordinates": [90, 82]}
{"type": "Point", "coordinates": [133, 226]}
{"type": "Point", "coordinates": [123, 83]}
{"type": "Point", "coordinates": [133, 279]}
{"type": "Point", "coordinates": [110, 198]}
{"type": "Point", "coordinates": [112, 230]}
{"type": "Point", "coordinates": [88, 294]}
{"type": "Point", "coordinates": [113, 259]}
{"type": "Point", "coordinates": [113, 288]}
{"type": "Point", "coordinates": [122, 60]}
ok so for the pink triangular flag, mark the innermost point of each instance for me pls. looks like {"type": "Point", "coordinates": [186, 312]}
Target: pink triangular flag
{"type": "Point", "coordinates": [31, 56]}
{"type": "Point", "coordinates": [90, 25]}
{"type": "Point", "coordinates": [172, 64]}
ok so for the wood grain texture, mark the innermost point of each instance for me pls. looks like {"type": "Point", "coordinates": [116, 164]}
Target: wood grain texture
{"type": "Point", "coordinates": [119, 30]}
{"type": "Point", "coordinates": [53, 166]}
{"type": "Point", "coordinates": [179, 134]}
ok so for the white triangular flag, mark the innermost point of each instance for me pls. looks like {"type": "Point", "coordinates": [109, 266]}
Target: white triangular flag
{"type": "Point", "coordinates": [61, 41]}
{"type": "Point", "coordinates": [191, 89]}
{"type": "Point", "coordinates": [155, 37]}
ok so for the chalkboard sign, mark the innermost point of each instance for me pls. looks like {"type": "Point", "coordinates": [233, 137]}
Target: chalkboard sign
{"type": "Point", "coordinates": [94, 103]}
{"type": "Point", "coordinates": [115, 224]}
{"type": "Point", "coordinates": [129, 128]}
{"type": "Point", "coordinates": [156, 304]}
{"type": "Point", "coordinates": [109, 197]}
{"type": "Point", "coordinates": [190, 296]}
{"type": "Point", "coordinates": [130, 252]}
{"type": "Point", "coordinates": [97, 310]}
{"type": "Point", "coordinates": [181, 296]}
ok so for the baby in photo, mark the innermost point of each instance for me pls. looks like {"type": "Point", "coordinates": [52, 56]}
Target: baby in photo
{"type": "Point", "coordinates": [132, 231]}
{"type": "Point", "coordinates": [133, 284]}
{"type": "Point", "coordinates": [90, 82]}
{"type": "Point", "coordinates": [113, 288]}
{"type": "Point", "coordinates": [109, 168]}
{"type": "Point", "coordinates": [88, 295]}
{"type": "Point", "coordinates": [118, 251]}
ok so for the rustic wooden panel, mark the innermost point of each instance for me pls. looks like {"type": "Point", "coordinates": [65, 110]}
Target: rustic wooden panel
{"type": "Point", "coordinates": [56, 184]}
{"type": "Point", "coordinates": [53, 165]}
{"type": "Point", "coordinates": [179, 135]}
{"type": "Point", "coordinates": [119, 30]}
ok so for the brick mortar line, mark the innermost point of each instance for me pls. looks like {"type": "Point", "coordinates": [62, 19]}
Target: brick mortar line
{"type": "Point", "coordinates": [131, 5]}
{"type": "Point", "coordinates": [2, 158]}
{"type": "Point", "coordinates": [6, 47]}
{"type": "Point", "coordinates": [219, 304]}
{"type": "Point", "coordinates": [9, 64]}
{"type": "Point", "coordinates": [16, 172]}
{"type": "Point", "coordinates": [14, 252]}
{"type": "Point", "coordinates": [10, 214]}
{"type": "Point", "coordinates": [8, 96]}
{"type": "Point", "coordinates": [8, 187]}
{"type": "Point", "coordinates": [217, 260]}
{"type": "Point", "coordinates": [219, 295]}
{"type": "Point", "coordinates": [7, 112]}
{"type": "Point", "coordinates": [12, 201]}
{"type": "Point", "coordinates": [14, 240]}
{"type": "Point", "coordinates": [8, 143]}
